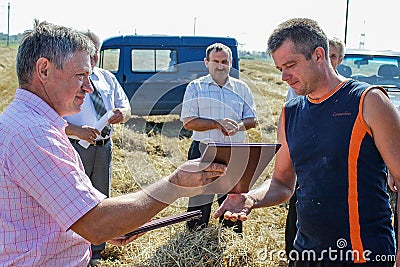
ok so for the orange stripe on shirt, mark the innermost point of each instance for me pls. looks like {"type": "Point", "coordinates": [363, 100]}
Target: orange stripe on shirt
{"type": "Point", "coordinates": [360, 129]}
{"type": "Point", "coordinates": [357, 136]}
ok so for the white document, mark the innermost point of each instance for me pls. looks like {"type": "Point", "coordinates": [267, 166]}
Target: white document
{"type": "Point", "coordinates": [99, 126]}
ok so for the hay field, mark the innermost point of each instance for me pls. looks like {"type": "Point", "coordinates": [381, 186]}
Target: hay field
{"type": "Point", "coordinates": [147, 148]}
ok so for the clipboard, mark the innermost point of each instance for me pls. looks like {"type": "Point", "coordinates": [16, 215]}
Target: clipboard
{"type": "Point", "coordinates": [245, 162]}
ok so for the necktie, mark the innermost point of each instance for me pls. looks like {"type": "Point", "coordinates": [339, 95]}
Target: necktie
{"type": "Point", "coordinates": [100, 108]}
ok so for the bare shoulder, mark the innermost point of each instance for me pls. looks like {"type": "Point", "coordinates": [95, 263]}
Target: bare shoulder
{"type": "Point", "coordinates": [377, 106]}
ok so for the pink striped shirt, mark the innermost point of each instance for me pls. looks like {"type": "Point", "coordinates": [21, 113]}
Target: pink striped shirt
{"type": "Point", "coordinates": [43, 188]}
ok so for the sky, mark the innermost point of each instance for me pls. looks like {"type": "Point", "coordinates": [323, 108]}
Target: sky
{"type": "Point", "coordinates": [250, 22]}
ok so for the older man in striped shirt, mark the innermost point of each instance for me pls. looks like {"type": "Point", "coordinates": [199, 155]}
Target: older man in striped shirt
{"type": "Point", "coordinates": [49, 210]}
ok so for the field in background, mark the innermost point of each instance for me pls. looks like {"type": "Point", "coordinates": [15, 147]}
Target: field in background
{"type": "Point", "coordinates": [147, 148]}
{"type": "Point", "coordinates": [8, 76]}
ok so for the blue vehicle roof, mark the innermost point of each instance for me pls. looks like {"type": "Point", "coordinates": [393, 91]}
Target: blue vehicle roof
{"type": "Point", "coordinates": [161, 40]}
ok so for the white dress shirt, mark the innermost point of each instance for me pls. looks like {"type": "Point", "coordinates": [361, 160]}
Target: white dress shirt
{"type": "Point", "coordinates": [205, 99]}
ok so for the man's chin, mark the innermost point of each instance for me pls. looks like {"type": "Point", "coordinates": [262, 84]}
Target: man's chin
{"type": "Point", "coordinates": [74, 110]}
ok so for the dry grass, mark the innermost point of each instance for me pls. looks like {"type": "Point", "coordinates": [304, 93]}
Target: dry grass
{"type": "Point", "coordinates": [8, 76]}
{"type": "Point", "coordinates": [147, 148]}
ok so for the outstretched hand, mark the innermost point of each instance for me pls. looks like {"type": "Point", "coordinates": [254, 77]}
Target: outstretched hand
{"type": "Point", "coordinates": [235, 207]}
{"type": "Point", "coordinates": [193, 175]}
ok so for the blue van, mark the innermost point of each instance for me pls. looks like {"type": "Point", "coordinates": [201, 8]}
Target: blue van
{"type": "Point", "coordinates": [154, 70]}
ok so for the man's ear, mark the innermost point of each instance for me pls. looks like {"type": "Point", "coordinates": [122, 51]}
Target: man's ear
{"type": "Point", "coordinates": [42, 68]}
{"type": "Point", "coordinates": [319, 53]}
{"type": "Point", "coordinates": [206, 62]}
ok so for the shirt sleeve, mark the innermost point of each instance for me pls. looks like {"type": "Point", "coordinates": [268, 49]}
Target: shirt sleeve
{"type": "Point", "coordinates": [190, 106]}
{"type": "Point", "coordinates": [113, 92]}
{"type": "Point", "coordinates": [120, 98]}
{"type": "Point", "coordinates": [46, 166]}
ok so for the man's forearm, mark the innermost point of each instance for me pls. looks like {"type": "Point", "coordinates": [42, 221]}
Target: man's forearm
{"type": "Point", "coordinates": [72, 129]}
{"type": "Point", "coordinates": [248, 123]}
{"type": "Point", "coordinates": [125, 213]}
{"type": "Point", "coordinates": [270, 193]}
{"type": "Point", "coordinates": [200, 124]}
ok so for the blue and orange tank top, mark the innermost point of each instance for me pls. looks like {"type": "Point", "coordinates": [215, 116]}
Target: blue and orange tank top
{"type": "Point", "coordinates": [343, 204]}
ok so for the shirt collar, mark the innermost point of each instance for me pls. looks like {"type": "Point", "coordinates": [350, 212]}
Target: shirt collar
{"type": "Point", "coordinates": [228, 83]}
{"type": "Point", "coordinates": [39, 106]}
{"type": "Point", "coordinates": [95, 73]}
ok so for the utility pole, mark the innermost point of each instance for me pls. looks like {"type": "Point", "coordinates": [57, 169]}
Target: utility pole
{"type": "Point", "coordinates": [347, 17]}
{"type": "Point", "coordinates": [8, 25]}
{"type": "Point", "coordinates": [362, 41]}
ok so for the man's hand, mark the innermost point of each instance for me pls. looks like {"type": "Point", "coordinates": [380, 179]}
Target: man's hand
{"type": "Point", "coordinates": [235, 207]}
{"type": "Point", "coordinates": [122, 241]}
{"type": "Point", "coordinates": [193, 175]}
{"type": "Point", "coordinates": [392, 183]}
{"type": "Point", "coordinates": [228, 126]}
{"type": "Point", "coordinates": [118, 116]}
{"type": "Point", "coordinates": [87, 133]}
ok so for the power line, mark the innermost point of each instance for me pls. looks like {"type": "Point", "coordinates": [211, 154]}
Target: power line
{"type": "Point", "coordinates": [8, 25]}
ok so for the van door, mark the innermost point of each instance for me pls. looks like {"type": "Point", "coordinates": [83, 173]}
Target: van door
{"type": "Point", "coordinates": [110, 59]}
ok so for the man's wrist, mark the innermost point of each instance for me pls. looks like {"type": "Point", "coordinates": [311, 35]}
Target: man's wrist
{"type": "Point", "coordinates": [253, 200]}
{"type": "Point", "coordinates": [241, 126]}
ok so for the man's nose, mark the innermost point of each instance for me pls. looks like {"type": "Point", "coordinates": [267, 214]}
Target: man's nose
{"type": "Point", "coordinates": [285, 76]}
{"type": "Point", "coordinates": [87, 86]}
{"type": "Point", "coordinates": [220, 65]}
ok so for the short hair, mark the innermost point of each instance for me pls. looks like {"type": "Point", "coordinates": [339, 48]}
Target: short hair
{"type": "Point", "coordinates": [94, 38]}
{"type": "Point", "coordinates": [336, 42]}
{"type": "Point", "coordinates": [218, 47]}
{"type": "Point", "coordinates": [305, 34]}
{"type": "Point", "coordinates": [53, 42]}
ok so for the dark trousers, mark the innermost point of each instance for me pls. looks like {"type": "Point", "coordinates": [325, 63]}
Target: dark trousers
{"type": "Point", "coordinates": [339, 264]}
{"type": "Point", "coordinates": [204, 202]}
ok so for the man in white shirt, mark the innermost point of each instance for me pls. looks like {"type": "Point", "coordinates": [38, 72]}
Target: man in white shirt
{"type": "Point", "coordinates": [97, 157]}
{"type": "Point", "coordinates": [218, 108]}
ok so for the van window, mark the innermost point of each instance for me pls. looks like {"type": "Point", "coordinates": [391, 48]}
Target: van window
{"type": "Point", "coordinates": [110, 59]}
{"type": "Point", "coordinates": [154, 60]}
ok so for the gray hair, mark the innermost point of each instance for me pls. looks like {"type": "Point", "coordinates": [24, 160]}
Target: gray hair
{"type": "Point", "coordinates": [305, 34]}
{"type": "Point", "coordinates": [53, 42]}
{"type": "Point", "coordinates": [336, 42]}
{"type": "Point", "coordinates": [94, 38]}
{"type": "Point", "coordinates": [218, 47]}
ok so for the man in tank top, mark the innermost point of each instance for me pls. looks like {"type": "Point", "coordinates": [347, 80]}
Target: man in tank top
{"type": "Point", "coordinates": [338, 138]}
